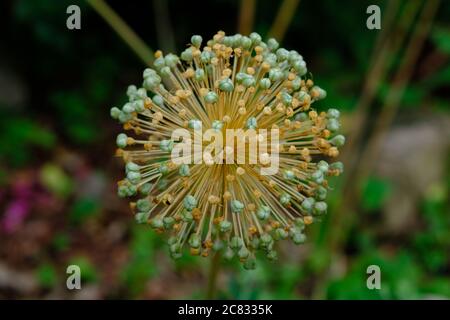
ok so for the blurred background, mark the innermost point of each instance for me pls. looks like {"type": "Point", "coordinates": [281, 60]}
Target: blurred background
{"type": "Point", "coordinates": [58, 173]}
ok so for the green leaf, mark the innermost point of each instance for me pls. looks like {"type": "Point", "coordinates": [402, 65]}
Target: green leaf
{"type": "Point", "coordinates": [54, 179]}
{"type": "Point", "coordinates": [84, 209]}
{"type": "Point", "coordinates": [441, 38]}
{"type": "Point", "coordinates": [375, 193]}
{"type": "Point", "coordinates": [88, 271]}
{"type": "Point", "coordinates": [46, 275]}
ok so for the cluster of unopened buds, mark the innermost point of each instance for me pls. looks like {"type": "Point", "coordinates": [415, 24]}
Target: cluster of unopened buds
{"type": "Point", "coordinates": [234, 82]}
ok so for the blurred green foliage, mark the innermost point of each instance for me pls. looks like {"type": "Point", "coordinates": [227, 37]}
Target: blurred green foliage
{"type": "Point", "coordinates": [375, 192]}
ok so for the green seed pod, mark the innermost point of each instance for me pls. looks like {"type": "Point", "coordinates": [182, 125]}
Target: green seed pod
{"type": "Point", "coordinates": [122, 191]}
{"type": "Point", "coordinates": [115, 113]}
{"type": "Point", "coordinates": [300, 67]}
{"type": "Point", "coordinates": [132, 190]}
{"type": "Point", "coordinates": [246, 42]}
{"type": "Point", "coordinates": [195, 241]}
{"type": "Point", "coordinates": [166, 72]}
{"type": "Point", "coordinates": [199, 74]}
{"type": "Point", "coordinates": [264, 83]}
{"type": "Point", "coordinates": [163, 169]}
{"type": "Point", "coordinates": [275, 74]}
{"type": "Point", "coordinates": [195, 124]}
{"type": "Point", "coordinates": [226, 85]}
{"type": "Point", "coordinates": [128, 107]}
{"type": "Point", "coordinates": [317, 176]}
{"type": "Point", "coordinates": [151, 83]}
{"type": "Point", "coordinates": [254, 243]}
{"type": "Point", "coordinates": [134, 177]}
{"type": "Point", "coordinates": [302, 116]}
{"type": "Point", "coordinates": [145, 189]}
{"type": "Point", "coordinates": [237, 206]}
{"type": "Point", "coordinates": [323, 166]}
{"type": "Point", "coordinates": [131, 91]}
{"type": "Point", "coordinates": [272, 44]}
{"type": "Point", "coordinates": [337, 166]}
{"type": "Point", "coordinates": [172, 240]}
{"type": "Point", "coordinates": [263, 212]}
{"type": "Point", "coordinates": [280, 233]}
{"type": "Point", "coordinates": [217, 125]}
{"type": "Point", "coordinates": [196, 40]}
{"type": "Point", "coordinates": [282, 54]}
{"type": "Point", "coordinates": [131, 166]}
{"type": "Point", "coordinates": [186, 216]}
{"type": "Point", "coordinates": [286, 98]}
{"type": "Point", "coordinates": [186, 55]}
{"type": "Point", "coordinates": [156, 223]}
{"type": "Point", "coordinates": [299, 223]}
{"type": "Point", "coordinates": [289, 175]}
{"type": "Point", "coordinates": [158, 100]}
{"type": "Point", "coordinates": [256, 38]}
{"type": "Point", "coordinates": [294, 56]}
{"type": "Point", "coordinates": [166, 145]}
{"type": "Point", "coordinates": [168, 222]}
{"type": "Point", "coordinates": [308, 204]}
{"type": "Point", "coordinates": [240, 76]}
{"type": "Point", "coordinates": [159, 63]}
{"type": "Point", "coordinates": [266, 239]}
{"type": "Point", "coordinates": [296, 83]}
{"type": "Point", "coordinates": [225, 226]}
{"type": "Point", "coordinates": [190, 202]}
{"type": "Point", "coordinates": [333, 124]}
{"type": "Point", "coordinates": [139, 105]}
{"type": "Point", "coordinates": [249, 82]}
{"type": "Point", "coordinates": [171, 60]}
{"type": "Point", "coordinates": [141, 94]}
{"type": "Point", "coordinates": [285, 199]}
{"type": "Point", "coordinates": [272, 255]}
{"type": "Point", "coordinates": [206, 56]}
{"type": "Point", "coordinates": [338, 140]}
{"type": "Point", "coordinates": [321, 193]}
{"type": "Point", "coordinates": [162, 184]}
{"type": "Point", "coordinates": [333, 113]}
{"type": "Point", "coordinates": [184, 170]}
{"type": "Point", "coordinates": [175, 248]}
{"type": "Point", "coordinates": [211, 97]}
{"type": "Point", "coordinates": [146, 74]}
{"type": "Point", "coordinates": [236, 243]}
{"type": "Point", "coordinates": [143, 205]}
{"type": "Point", "coordinates": [320, 208]}
{"type": "Point", "coordinates": [236, 40]}
{"type": "Point", "coordinates": [142, 217]}
{"type": "Point", "coordinates": [243, 253]}
{"type": "Point", "coordinates": [125, 117]}
{"type": "Point", "coordinates": [298, 238]}
{"type": "Point", "coordinates": [251, 123]}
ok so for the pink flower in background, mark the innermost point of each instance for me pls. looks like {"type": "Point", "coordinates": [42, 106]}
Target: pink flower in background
{"type": "Point", "coordinates": [14, 215]}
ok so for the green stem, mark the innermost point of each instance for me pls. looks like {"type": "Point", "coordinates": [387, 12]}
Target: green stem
{"type": "Point", "coordinates": [123, 30]}
{"type": "Point", "coordinates": [283, 19]}
{"type": "Point", "coordinates": [214, 268]}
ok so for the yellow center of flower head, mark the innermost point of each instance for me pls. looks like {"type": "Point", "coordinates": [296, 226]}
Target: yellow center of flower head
{"type": "Point", "coordinates": [214, 195]}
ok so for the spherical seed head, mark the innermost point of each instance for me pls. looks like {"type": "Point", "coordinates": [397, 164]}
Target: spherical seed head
{"type": "Point", "coordinates": [234, 82]}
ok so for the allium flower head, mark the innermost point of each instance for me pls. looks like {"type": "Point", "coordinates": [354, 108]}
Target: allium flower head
{"type": "Point", "coordinates": [216, 202]}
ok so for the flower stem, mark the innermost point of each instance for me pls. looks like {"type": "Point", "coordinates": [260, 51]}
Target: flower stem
{"type": "Point", "coordinates": [123, 30]}
{"type": "Point", "coordinates": [283, 19]}
{"type": "Point", "coordinates": [214, 268]}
